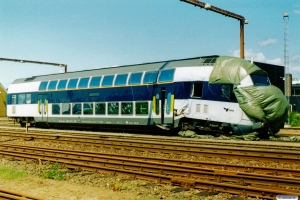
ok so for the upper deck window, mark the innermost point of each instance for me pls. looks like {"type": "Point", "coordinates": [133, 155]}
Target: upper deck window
{"type": "Point", "coordinates": [95, 82]}
{"type": "Point", "coordinates": [62, 84]}
{"type": "Point", "coordinates": [43, 85]}
{"type": "Point", "coordinates": [83, 83]}
{"type": "Point", "coordinates": [166, 75]}
{"type": "Point", "coordinates": [135, 78]}
{"type": "Point", "coordinates": [260, 80]}
{"type": "Point", "coordinates": [108, 80]}
{"type": "Point", "coordinates": [72, 83]}
{"type": "Point", "coordinates": [121, 79]}
{"type": "Point", "coordinates": [52, 85]}
{"type": "Point", "coordinates": [150, 77]}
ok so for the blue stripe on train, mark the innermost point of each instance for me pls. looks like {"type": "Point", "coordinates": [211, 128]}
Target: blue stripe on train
{"type": "Point", "coordinates": [181, 90]}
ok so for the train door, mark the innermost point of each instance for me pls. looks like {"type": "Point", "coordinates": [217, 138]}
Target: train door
{"type": "Point", "coordinates": [162, 110]}
{"type": "Point", "coordinates": [43, 106]}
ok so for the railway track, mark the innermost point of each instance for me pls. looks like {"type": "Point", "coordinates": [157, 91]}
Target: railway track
{"type": "Point", "coordinates": [176, 172]}
{"type": "Point", "coordinates": [289, 155]}
{"type": "Point", "coordinates": [12, 195]}
{"type": "Point", "coordinates": [34, 133]}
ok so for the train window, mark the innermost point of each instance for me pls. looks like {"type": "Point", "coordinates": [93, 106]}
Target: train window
{"type": "Point", "coordinates": [166, 75]}
{"type": "Point", "coordinates": [28, 98]}
{"type": "Point", "coordinates": [43, 85]}
{"type": "Point", "coordinates": [260, 80]}
{"type": "Point", "coordinates": [55, 109]}
{"type": "Point", "coordinates": [170, 101]}
{"type": "Point", "coordinates": [227, 92]}
{"type": "Point", "coordinates": [135, 78]}
{"type": "Point", "coordinates": [88, 109]}
{"type": "Point", "coordinates": [126, 108]}
{"type": "Point", "coordinates": [150, 77]}
{"type": "Point", "coordinates": [21, 99]}
{"type": "Point", "coordinates": [95, 82]}
{"type": "Point", "coordinates": [108, 80]}
{"type": "Point", "coordinates": [121, 79]}
{"type": "Point", "coordinates": [13, 99]}
{"type": "Point", "coordinates": [65, 109]}
{"type": "Point", "coordinates": [141, 108]}
{"type": "Point", "coordinates": [83, 83]}
{"type": "Point", "coordinates": [72, 83]}
{"type": "Point", "coordinates": [62, 84]}
{"type": "Point", "coordinates": [197, 90]}
{"type": "Point", "coordinates": [76, 109]}
{"type": "Point", "coordinates": [113, 108]}
{"type": "Point", "coordinates": [52, 85]}
{"type": "Point", "coordinates": [100, 108]}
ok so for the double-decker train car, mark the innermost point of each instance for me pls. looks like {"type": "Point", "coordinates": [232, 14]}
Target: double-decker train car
{"type": "Point", "coordinates": [202, 93]}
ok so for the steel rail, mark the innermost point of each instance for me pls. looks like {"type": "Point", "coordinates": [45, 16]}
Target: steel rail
{"type": "Point", "coordinates": [176, 148]}
{"type": "Point", "coordinates": [81, 136]}
{"type": "Point", "coordinates": [178, 175]}
{"type": "Point", "coordinates": [8, 194]}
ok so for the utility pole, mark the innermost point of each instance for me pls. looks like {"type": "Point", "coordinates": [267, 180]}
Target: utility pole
{"type": "Point", "coordinates": [35, 62]}
{"type": "Point", "coordinates": [288, 76]}
{"type": "Point", "coordinates": [227, 14]}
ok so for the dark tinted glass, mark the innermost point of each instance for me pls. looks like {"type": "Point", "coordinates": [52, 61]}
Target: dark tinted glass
{"type": "Point", "coordinates": [95, 82]}
{"type": "Point", "coordinates": [43, 85]}
{"type": "Point", "coordinates": [72, 83]}
{"type": "Point", "coordinates": [166, 75]}
{"type": "Point", "coordinates": [135, 78]}
{"type": "Point", "coordinates": [62, 84]}
{"type": "Point", "coordinates": [83, 83]}
{"type": "Point", "coordinates": [260, 80]}
{"type": "Point", "coordinates": [150, 77]}
{"type": "Point", "coordinates": [121, 79]}
{"type": "Point", "coordinates": [108, 80]}
{"type": "Point", "coordinates": [52, 85]}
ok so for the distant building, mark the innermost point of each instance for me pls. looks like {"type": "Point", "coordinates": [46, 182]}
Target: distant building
{"type": "Point", "coordinates": [2, 101]}
{"type": "Point", "coordinates": [275, 73]}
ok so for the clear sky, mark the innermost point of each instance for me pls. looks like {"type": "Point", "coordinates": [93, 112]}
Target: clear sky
{"type": "Point", "coordinates": [88, 34]}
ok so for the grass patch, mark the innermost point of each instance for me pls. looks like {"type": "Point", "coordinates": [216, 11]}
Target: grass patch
{"type": "Point", "coordinates": [10, 173]}
{"type": "Point", "coordinates": [52, 171]}
{"type": "Point", "coordinates": [295, 119]}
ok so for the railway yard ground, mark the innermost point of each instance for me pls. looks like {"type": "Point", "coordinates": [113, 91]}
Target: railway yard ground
{"type": "Point", "coordinates": [48, 181]}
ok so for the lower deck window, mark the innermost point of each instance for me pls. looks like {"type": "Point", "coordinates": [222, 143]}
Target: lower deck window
{"type": "Point", "coordinates": [141, 108]}
{"type": "Point", "coordinates": [126, 108]}
{"type": "Point", "coordinates": [21, 99]}
{"type": "Point", "coordinates": [55, 109]}
{"type": "Point", "coordinates": [113, 108]}
{"type": "Point", "coordinates": [76, 109]}
{"type": "Point", "coordinates": [88, 109]}
{"type": "Point", "coordinates": [65, 108]}
{"type": "Point", "coordinates": [100, 108]}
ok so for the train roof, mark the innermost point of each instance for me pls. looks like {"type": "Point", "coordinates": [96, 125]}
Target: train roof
{"type": "Point", "coordinates": [153, 66]}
